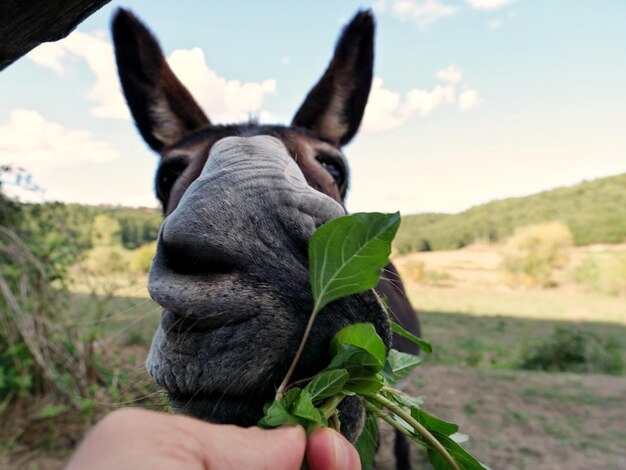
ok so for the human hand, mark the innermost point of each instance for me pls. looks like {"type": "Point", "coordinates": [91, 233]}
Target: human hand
{"type": "Point", "coordinates": [134, 438]}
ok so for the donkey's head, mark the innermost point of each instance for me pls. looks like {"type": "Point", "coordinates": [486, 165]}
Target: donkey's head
{"type": "Point", "coordinates": [241, 202]}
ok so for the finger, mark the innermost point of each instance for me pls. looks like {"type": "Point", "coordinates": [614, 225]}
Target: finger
{"type": "Point", "coordinates": [231, 447]}
{"type": "Point", "coordinates": [329, 450]}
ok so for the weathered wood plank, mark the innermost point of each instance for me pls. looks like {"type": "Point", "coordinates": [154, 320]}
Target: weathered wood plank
{"type": "Point", "coordinates": [24, 24]}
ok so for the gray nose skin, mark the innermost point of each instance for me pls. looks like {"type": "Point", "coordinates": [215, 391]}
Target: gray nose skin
{"type": "Point", "coordinates": [250, 209]}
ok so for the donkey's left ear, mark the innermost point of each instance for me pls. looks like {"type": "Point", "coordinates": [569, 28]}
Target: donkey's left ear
{"type": "Point", "coordinates": [334, 107]}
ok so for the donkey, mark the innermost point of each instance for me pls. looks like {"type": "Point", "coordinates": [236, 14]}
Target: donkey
{"type": "Point", "coordinates": [240, 203]}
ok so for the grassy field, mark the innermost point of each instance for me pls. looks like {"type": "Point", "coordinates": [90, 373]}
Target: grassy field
{"type": "Point", "coordinates": [476, 320]}
{"type": "Point", "coordinates": [480, 328]}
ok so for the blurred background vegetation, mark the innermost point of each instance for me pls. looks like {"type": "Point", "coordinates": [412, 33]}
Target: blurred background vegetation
{"type": "Point", "coordinates": [593, 211]}
{"type": "Point", "coordinates": [526, 284]}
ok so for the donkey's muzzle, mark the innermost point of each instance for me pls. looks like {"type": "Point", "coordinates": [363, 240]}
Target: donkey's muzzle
{"type": "Point", "coordinates": [245, 220]}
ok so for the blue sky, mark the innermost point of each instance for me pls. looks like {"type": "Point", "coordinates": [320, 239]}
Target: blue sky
{"type": "Point", "coordinates": [473, 100]}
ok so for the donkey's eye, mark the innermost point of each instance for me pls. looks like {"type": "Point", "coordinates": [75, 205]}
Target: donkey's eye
{"type": "Point", "coordinates": [167, 174]}
{"type": "Point", "coordinates": [334, 167]}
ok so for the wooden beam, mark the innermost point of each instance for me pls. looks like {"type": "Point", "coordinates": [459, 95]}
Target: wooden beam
{"type": "Point", "coordinates": [25, 24]}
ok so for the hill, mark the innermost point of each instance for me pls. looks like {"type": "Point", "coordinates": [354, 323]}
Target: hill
{"type": "Point", "coordinates": [74, 222]}
{"type": "Point", "coordinates": [594, 211]}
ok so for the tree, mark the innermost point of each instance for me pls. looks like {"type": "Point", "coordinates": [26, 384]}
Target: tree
{"type": "Point", "coordinates": [106, 231]}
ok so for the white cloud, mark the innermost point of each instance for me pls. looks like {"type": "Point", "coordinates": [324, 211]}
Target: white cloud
{"type": "Point", "coordinates": [224, 100]}
{"type": "Point", "coordinates": [495, 23]}
{"type": "Point", "coordinates": [383, 109]}
{"type": "Point", "coordinates": [423, 102]}
{"type": "Point", "coordinates": [31, 141]}
{"type": "Point", "coordinates": [422, 13]}
{"type": "Point", "coordinates": [469, 99]}
{"type": "Point", "coordinates": [379, 6]}
{"type": "Point", "coordinates": [387, 109]}
{"type": "Point", "coordinates": [49, 55]}
{"type": "Point", "coordinates": [98, 53]}
{"type": "Point", "coordinates": [488, 4]}
{"type": "Point", "coordinates": [450, 74]}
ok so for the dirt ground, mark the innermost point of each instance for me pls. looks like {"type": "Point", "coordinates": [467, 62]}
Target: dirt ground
{"type": "Point", "coordinates": [526, 420]}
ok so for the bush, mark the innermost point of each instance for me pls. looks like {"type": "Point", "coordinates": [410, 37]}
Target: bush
{"type": "Point", "coordinates": [575, 350]}
{"type": "Point", "coordinates": [33, 273]}
{"type": "Point", "coordinates": [107, 259]}
{"type": "Point", "coordinates": [142, 257]}
{"type": "Point", "coordinates": [603, 272]}
{"type": "Point", "coordinates": [415, 271]}
{"type": "Point", "coordinates": [533, 254]}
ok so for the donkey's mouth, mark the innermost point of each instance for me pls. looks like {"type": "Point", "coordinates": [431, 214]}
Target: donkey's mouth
{"type": "Point", "coordinates": [174, 323]}
{"type": "Point", "coordinates": [222, 408]}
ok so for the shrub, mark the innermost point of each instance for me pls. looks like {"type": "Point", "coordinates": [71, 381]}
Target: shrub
{"type": "Point", "coordinates": [533, 254]}
{"type": "Point", "coordinates": [142, 257]}
{"type": "Point", "coordinates": [415, 271]}
{"type": "Point", "coordinates": [575, 350]}
{"type": "Point", "coordinates": [107, 259]}
{"type": "Point", "coordinates": [603, 272]}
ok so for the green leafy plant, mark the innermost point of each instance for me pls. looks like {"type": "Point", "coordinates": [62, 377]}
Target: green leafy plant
{"type": "Point", "coordinates": [346, 256]}
{"type": "Point", "coordinates": [534, 254]}
{"type": "Point", "coordinates": [575, 350]}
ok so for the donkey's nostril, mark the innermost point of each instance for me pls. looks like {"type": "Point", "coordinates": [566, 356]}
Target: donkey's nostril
{"type": "Point", "coordinates": [186, 258]}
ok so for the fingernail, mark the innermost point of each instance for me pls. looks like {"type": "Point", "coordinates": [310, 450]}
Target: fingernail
{"type": "Point", "coordinates": [345, 456]}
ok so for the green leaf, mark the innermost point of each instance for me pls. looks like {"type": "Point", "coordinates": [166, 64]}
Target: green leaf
{"type": "Point", "coordinates": [52, 411]}
{"type": "Point", "coordinates": [465, 460]}
{"type": "Point", "coordinates": [358, 362]}
{"type": "Point", "coordinates": [403, 399]}
{"type": "Point", "coordinates": [362, 335]}
{"type": "Point", "coordinates": [347, 254]}
{"type": "Point", "coordinates": [291, 397]}
{"type": "Point", "coordinates": [399, 365]}
{"type": "Point", "coordinates": [277, 415]}
{"type": "Point", "coordinates": [363, 385]}
{"type": "Point", "coordinates": [304, 408]}
{"type": "Point", "coordinates": [367, 443]}
{"type": "Point", "coordinates": [432, 423]}
{"type": "Point", "coordinates": [425, 345]}
{"type": "Point", "coordinates": [327, 383]}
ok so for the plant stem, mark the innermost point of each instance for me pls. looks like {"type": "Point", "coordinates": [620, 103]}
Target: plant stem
{"type": "Point", "coordinates": [391, 406]}
{"type": "Point", "coordinates": [285, 383]}
{"type": "Point", "coordinates": [385, 417]}
{"type": "Point", "coordinates": [329, 407]}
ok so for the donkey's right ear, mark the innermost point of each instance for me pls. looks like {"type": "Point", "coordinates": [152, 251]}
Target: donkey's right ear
{"type": "Point", "coordinates": [163, 109]}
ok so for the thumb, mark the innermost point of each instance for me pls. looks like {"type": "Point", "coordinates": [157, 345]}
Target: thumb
{"type": "Point", "coordinates": [329, 450]}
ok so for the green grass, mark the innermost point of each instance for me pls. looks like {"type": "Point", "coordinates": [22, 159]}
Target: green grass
{"type": "Point", "coordinates": [494, 342]}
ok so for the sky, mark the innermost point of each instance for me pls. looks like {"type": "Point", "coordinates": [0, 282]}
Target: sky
{"type": "Point", "coordinates": [472, 100]}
